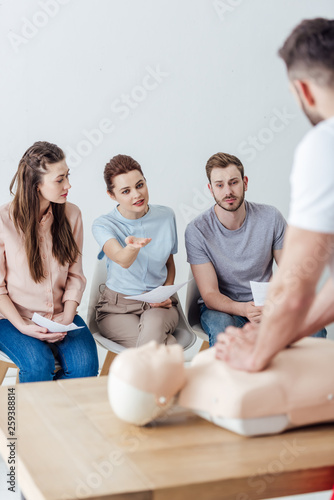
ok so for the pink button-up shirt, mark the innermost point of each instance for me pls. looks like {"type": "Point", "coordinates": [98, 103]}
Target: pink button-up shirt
{"type": "Point", "coordinates": [61, 283]}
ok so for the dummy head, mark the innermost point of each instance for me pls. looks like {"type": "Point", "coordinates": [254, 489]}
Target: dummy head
{"type": "Point", "coordinates": [143, 381]}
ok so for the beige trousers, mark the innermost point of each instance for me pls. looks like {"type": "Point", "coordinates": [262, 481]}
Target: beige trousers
{"type": "Point", "coordinates": [132, 323]}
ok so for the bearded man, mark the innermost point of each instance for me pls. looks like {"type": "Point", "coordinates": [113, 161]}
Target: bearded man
{"type": "Point", "coordinates": [230, 244]}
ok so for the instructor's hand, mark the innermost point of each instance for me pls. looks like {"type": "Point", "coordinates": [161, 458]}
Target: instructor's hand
{"type": "Point", "coordinates": [236, 347]}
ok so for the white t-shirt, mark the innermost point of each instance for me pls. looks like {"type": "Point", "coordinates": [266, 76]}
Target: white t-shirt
{"type": "Point", "coordinates": [312, 180]}
{"type": "Point", "coordinates": [312, 183]}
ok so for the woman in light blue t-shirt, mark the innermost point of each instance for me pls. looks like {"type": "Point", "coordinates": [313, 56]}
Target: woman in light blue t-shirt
{"type": "Point", "coordinates": [139, 241]}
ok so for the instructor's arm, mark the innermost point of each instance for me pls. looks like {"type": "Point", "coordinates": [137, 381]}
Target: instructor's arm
{"type": "Point", "coordinates": [290, 296]}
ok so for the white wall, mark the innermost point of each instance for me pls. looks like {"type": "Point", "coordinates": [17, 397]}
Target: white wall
{"type": "Point", "coordinates": [218, 84]}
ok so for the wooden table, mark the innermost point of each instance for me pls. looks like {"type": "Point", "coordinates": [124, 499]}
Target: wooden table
{"type": "Point", "coordinates": [70, 445]}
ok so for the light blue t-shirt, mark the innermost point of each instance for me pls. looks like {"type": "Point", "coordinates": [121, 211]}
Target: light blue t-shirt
{"type": "Point", "coordinates": [149, 269]}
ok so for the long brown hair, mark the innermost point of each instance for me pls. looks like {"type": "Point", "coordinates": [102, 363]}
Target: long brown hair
{"type": "Point", "coordinates": [25, 209]}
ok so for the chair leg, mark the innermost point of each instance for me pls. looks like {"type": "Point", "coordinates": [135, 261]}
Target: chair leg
{"type": "Point", "coordinates": [107, 362]}
{"type": "Point", "coordinates": [3, 370]}
{"type": "Point", "coordinates": [4, 366]}
{"type": "Point", "coordinates": [205, 345]}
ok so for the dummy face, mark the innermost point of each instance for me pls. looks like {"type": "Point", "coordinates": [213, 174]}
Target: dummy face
{"type": "Point", "coordinates": [228, 188]}
{"type": "Point", "coordinates": [55, 184]}
{"type": "Point", "coordinates": [131, 194]}
{"type": "Point", "coordinates": [153, 368]}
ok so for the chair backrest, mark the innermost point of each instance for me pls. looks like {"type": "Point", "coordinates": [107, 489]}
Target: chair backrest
{"type": "Point", "coordinates": [99, 278]}
{"type": "Point", "coordinates": [192, 308]}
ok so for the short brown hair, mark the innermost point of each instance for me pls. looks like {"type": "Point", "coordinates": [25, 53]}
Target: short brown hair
{"type": "Point", "coordinates": [309, 51]}
{"type": "Point", "coordinates": [120, 164]}
{"type": "Point", "coordinates": [223, 160]}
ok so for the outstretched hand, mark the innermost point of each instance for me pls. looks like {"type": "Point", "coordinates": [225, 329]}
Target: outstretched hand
{"type": "Point", "coordinates": [134, 242]}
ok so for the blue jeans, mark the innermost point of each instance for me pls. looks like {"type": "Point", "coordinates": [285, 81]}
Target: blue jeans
{"type": "Point", "coordinates": [77, 353]}
{"type": "Point", "coordinates": [321, 333]}
{"type": "Point", "coordinates": [214, 322]}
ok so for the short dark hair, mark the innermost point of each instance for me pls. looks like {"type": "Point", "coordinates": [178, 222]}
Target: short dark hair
{"type": "Point", "coordinates": [223, 160]}
{"type": "Point", "coordinates": [120, 164]}
{"type": "Point", "coordinates": [308, 52]}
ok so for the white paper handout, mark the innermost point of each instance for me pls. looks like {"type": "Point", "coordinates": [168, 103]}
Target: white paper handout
{"type": "Point", "coordinates": [259, 291]}
{"type": "Point", "coordinates": [159, 294]}
{"type": "Point", "coordinates": [52, 326]}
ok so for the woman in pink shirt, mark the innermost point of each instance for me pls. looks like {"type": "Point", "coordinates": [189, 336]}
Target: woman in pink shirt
{"type": "Point", "coordinates": [41, 271]}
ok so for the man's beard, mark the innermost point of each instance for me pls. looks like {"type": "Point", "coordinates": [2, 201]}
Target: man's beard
{"type": "Point", "coordinates": [230, 209]}
{"type": "Point", "coordinates": [314, 118]}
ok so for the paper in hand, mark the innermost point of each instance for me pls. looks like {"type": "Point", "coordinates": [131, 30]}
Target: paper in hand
{"type": "Point", "coordinates": [259, 291]}
{"type": "Point", "coordinates": [159, 294]}
{"type": "Point", "coordinates": [52, 326]}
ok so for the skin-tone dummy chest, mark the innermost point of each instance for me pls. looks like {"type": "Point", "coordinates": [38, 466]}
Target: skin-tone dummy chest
{"type": "Point", "coordinates": [296, 389]}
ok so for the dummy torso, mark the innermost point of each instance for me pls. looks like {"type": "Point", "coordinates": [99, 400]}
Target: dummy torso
{"type": "Point", "coordinates": [296, 389]}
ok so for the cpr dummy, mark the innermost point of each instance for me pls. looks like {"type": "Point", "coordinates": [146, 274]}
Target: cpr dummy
{"type": "Point", "coordinates": [296, 389]}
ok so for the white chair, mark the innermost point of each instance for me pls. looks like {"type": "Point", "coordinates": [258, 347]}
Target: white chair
{"type": "Point", "coordinates": [5, 364]}
{"type": "Point", "coordinates": [183, 333]}
{"type": "Point", "coordinates": [192, 310]}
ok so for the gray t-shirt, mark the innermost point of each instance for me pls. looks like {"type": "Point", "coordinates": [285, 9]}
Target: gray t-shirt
{"type": "Point", "coordinates": [241, 255]}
